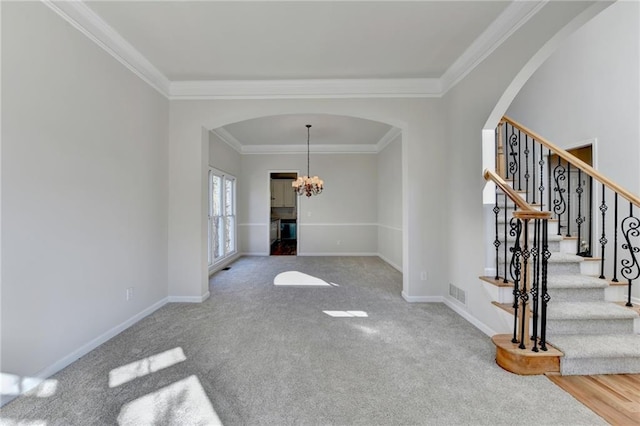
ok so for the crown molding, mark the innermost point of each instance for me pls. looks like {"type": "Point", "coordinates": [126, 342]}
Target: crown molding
{"type": "Point", "coordinates": [389, 137]}
{"type": "Point", "coordinates": [513, 17]}
{"type": "Point", "coordinates": [85, 20]}
{"type": "Point", "coordinates": [317, 149]}
{"type": "Point", "coordinates": [81, 17]}
{"type": "Point", "coordinates": [228, 138]}
{"type": "Point", "coordinates": [294, 89]}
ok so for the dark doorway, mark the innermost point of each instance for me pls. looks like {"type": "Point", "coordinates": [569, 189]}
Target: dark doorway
{"type": "Point", "coordinates": [283, 235]}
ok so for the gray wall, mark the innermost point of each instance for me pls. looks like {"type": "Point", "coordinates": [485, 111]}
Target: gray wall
{"type": "Point", "coordinates": [390, 203]}
{"type": "Point", "coordinates": [340, 220]}
{"type": "Point", "coordinates": [590, 89]}
{"type": "Point", "coordinates": [223, 157]}
{"type": "Point", "coordinates": [84, 193]}
{"type": "Point", "coordinates": [468, 107]}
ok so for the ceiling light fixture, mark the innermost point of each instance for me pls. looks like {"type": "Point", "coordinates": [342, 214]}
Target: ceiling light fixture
{"type": "Point", "coordinates": [308, 185]}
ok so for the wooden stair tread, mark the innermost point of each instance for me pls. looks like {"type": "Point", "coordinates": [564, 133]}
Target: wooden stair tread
{"type": "Point", "coordinates": [498, 283]}
{"type": "Point", "coordinates": [524, 361]}
{"type": "Point", "coordinates": [617, 283]}
{"type": "Point", "coordinates": [611, 283]}
{"type": "Point", "coordinates": [507, 307]}
{"type": "Point", "coordinates": [635, 308]}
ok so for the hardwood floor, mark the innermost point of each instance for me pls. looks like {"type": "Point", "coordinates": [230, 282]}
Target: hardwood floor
{"type": "Point", "coordinates": [614, 397]}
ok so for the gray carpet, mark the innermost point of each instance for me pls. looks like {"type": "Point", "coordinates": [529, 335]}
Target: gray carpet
{"type": "Point", "coordinates": [267, 355]}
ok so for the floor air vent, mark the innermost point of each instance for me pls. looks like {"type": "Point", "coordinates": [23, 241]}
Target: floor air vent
{"type": "Point", "coordinates": [457, 293]}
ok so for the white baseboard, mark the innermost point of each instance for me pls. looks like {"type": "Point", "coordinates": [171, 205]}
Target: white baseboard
{"type": "Point", "coordinates": [82, 351]}
{"type": "Point", "coordinates": [457, 308]}
{"type": "Point", "coordinates": [399, 268]}
{"type": "Point", "coordinates": [421, 299]}
{"type": "Point", "coordinates": [189, 299]}
{"type": "Point", "coordinates": [224, 264]}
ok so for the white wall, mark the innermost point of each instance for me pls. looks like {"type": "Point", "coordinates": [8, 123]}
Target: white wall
{"type": "Point", "coordinates": [422, 164]}
{"type": "Point", "coordinates": [468, 106]}
{"type": "Point", "coordinates": [223, 157]}
{"type": "Point", "coordinates": [390, 203]}
{"type": "Point", "coordinates": [341, 220]}
{"type": "Point", "coordinates": [590, 89]}
{"type": "Point", "coordinates": [84, 192]}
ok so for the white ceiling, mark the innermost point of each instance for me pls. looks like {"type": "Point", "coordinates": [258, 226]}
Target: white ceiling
{"type": "Point", "coordinates": [328, 133]}
{"type": "Point", "coordinates": [298, 48]}
{"type": "Point", "coordinates": [266, 40]}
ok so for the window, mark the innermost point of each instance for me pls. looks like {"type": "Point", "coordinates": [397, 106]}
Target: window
{"type": "Point", "coordinates": [222, 216]}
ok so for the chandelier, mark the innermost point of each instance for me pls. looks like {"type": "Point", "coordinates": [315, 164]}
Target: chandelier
{"type": "Point", "coordinates": [308, 185]}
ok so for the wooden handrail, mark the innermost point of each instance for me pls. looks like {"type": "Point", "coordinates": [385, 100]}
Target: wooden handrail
{"type": "Point", "coordinates": [525, 210]}
{"type": "Point", "coordinates": [576, 162]}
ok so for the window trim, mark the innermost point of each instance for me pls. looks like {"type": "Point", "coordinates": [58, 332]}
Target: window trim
{"type": "Point", "coordinates": [212, 260]}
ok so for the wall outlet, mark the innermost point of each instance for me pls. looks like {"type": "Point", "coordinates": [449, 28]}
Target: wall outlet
{"type": "Point", "coordinates": [423, 276]}
{"type": "Point", "coordinates": [129, 294]}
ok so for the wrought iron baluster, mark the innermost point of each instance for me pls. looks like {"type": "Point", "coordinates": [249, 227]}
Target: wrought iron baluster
{"type": "Point", "coordinates": [507, 150]}
{"type": "Point", "coordinates": [535, 281]}
{"type": "Point", "coordinates": [568, 199]}
{"type": "Point", "coordinates": [506, 257]}
{"type": "Point", "coordinates": [559, 204]}
{"type": "Point", "coordinates": [496, 242]}
{"type": "Point", "coordinates": [615, 238]}
{"type": "Point", "coordinates": [514, 161]}
{"type": "Point", "coordinates": [590, 216]}
{"type": "Point", "coordinates": [549, 177]}
{"type": "Point", "coordinates": [630, 268]}
{"type": "Point", "coordinates": [519, 163]}
{"type": "Point", "coordinates": [541, 187]}
{"type": "Point", "coordinates": [526, 166]}
{"type": "Point", "coordinates": [603, 236]}
{"type": "Point", "coordinates": [533, 167]}
{"type": "Point", "coordinates": [524, 288]}
{"type": "Point", "coordinates": [580, 219]}
{"type": "Point", "coordinates": [514, 270]}
{"type": "Point", "coordinates": [546, 254]}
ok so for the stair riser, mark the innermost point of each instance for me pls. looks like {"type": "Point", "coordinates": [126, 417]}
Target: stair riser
{"type": "Point", "coordinates": [576, 294]}
{"type": "Point", "coordinates": [608, 326]}
{"type": "Point", "coordinates": [566, 268]}
{"type": "Point", "coordinates": [590, 267]}
{"type": "Point", "coordinates": [589, 366]}
{"type": "Point", "coordinates": [552, 268]}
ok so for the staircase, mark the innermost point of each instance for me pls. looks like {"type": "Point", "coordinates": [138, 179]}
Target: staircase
{"type": "Point", "coordinates": [567, 317]}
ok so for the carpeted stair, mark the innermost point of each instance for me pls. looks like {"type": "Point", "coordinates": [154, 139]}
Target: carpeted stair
{"type": "Point", "coordinates": [596, 336]}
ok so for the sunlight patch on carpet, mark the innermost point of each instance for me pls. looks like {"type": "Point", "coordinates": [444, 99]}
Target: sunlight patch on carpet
{"type": "Point", "coordinates": [295, 278]}
{"type": "Point", "coordinates": [346, 314]}
{"type": "Point", "coordinates": [181, 403]}
{"type": "Point", "coordinates": [126, 373]}
{"type": "Point", "coordinates": [11, 422]}
{"type": "Point", "coordinates": [11, 384]}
